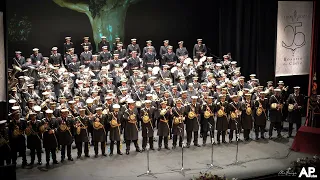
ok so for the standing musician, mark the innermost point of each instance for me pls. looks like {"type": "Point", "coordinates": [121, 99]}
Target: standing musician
{"type": "Point", "coordinates": [192, 112]}
{"type": "Point", "coordinates": [236, 108]}
{"type": "Point", "coordinates": [114, 118]}
{"type": "Point", "coordinates": [19, 60]}
{"type": "Point", "coordinates": [36, 57]}
{"type": "Point", "coordinates": [149, 57]}
{"type": "Point", "coordinates": [17, 128]}
{"type": "Point", "coordinates": [169, 58]}
{"type": "Point", "coordinates": [275, 112]}
{"type": "Point", "coordinates": [199, 48]}
{"type": "Point", "coordinates": [50, 142]}
{"type": "Point", "coordinates": [133, 47]}
{"type": "Point", "coordinates": [181, 51]}
{"type": "Point", "coordinates": [261, 109]}
{"type": "Point", "coordinates": [147, 115]}
{"type": "Point", "coordinates": [247, 116]}
{"type": "Point", "coordinates": [82, 135]}
{"type": "Point", "coordinates": [146, 49]}
{"type": "Point", "coordinates": [295, 105]}
{"type": "Point", "coordinates": [164, 49]}
{"type": "Point", "coordinates": [103, 43]}
{"type": "Point", "coordinates": [34, 132]}
{"type": "Point", "coordinates": [85, 56]}
{"type": "Point", "coordinates": [131, 128]}
{"type": "Point", "coordinates": [163, 126]}
{"type": "Point", "coordinates": [222, 109]}
{"type": "Point", "coordinates": [5, 148]}
{"type": "Point", "coordinates": [87, 43]}
{"type": "Point", "coordinates": [133, 62]}
{"type": "Point", "coordinates": [99, 132]}
{"type": "Point", "coordinates": [105, 56]}
{"type": "Point", "coordinates": [67, 45]}
{"type": "Point", "coordinates": [65, 133]}
{"type": "Point", "coordinates": [55, 58]}
{"type": "Point", "coordinates": [178, 114]}
{"type": "Point", "coordinates": [207, 120]}
{"type": "Point", "coordinates": [116, 43]}
{"type": "Point", "coordinates": [122, 52]}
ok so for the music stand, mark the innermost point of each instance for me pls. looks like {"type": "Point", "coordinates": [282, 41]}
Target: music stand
{"type": "Point", "coordinates": [182, 169]}
{"type": "Point", "coordinates": [148, 173]}
{"type": "Point", "coordinates": [237, 138]}
{"type": "Point", "coordinates": [211, 166]}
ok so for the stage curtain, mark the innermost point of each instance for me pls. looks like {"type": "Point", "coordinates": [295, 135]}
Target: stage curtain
{"type": "Point", "coordinates": [248, 31]}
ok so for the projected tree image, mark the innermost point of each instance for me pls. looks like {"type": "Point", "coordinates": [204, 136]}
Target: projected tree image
{"type": "Point", "coordinates": [107, 17]}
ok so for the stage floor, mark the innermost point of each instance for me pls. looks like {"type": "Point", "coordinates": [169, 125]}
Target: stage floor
{"type": "Point", "coordinates": [259, 158]}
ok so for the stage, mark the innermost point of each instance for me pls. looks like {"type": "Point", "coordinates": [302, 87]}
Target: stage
{"type": "Point", "coordinates": [260, 157]}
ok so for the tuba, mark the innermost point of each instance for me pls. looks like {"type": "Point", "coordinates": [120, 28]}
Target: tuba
{"type": "Point", "coordinates": [114, 123]}
{"type": "Point", "coordinates": [233, 115]}
{"type": "Point", "coordinates": [63, 127]}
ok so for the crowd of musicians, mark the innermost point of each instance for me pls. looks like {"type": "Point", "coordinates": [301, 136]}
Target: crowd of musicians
{"type": "Point", "coordinates": [111, 95]}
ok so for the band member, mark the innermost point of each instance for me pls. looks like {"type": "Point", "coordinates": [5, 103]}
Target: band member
{"type": "Point", "coordinates": [82, 135]}
{"type": "Point", "coordinates": [105, 56]}
{"type": "Point", "coordinates": [36, 57]}
{"type": "Point", "coordinates": [95, 66]}
{"type": "Point", "coordinates": [5, 148]}
{"type": "Point", "coordinates": [115, 133]}
{"type": "Point", "coordinates": [55, 58]}
{"type": "Point", "coordinates": [67, 45]}
{"type": "Point", "coordinates": [169, 58]}
{"type": "Point", "coordinates": [261, 105]}
{"type": "Point", "coordinates": [247, 117]}
{"type": "Point", "coordinates": [122, 52]}
{"type": "Point", "coordinates": [235, 117]}
{"type": "Point", "coordinates": [164, 48]}
{"type": "Point", "coordinates": [275, 112]}
{"type": "Point", "coordinates": [103, 43]}
{"type": "Point", "coordinates": [18, 59]}
{"type": "Point", "coordinates": [192, 121]}
{"type": "Point", "coordinates": [163, 126]}
{"type": "Point", "coordinates": [146, 49]}
{"type": "Point", "coordinates": [133, 62]}
{"type": "Point", "coordinates": [295, 105]}
{"type": "Point", "coordinates": [116, 43]}
{"type": "Point", "coordinates": [198, 48]}
{"type": "Point", "coordinates": [87, 43]}
{"type": "Point", "coordinates": [133, 47]}
{"type": "Point", "coordinates": [99, 132]}
{"type": "Point", "coordinates": [85, 56]}
{"type": "Point", "coordinates": [50, 141]}
{"type": "Point", "coordinates": [147, 115]}
{"type": "Point", "coordinates": [131, 128]}
{"type": "Point", "coordinates": [181, 51]}
{"type": "Point", "coordinates": [65, 134]}
{"type": "Point", "coordinates": [17, 139]}
{"type": "Point", "coordinates": [207, 120]}
{"type": "Point", "coordinates": [34, 132]}
{"type": "Point", "coordinates": [222, 108]}
{"type": "Point", "coordinates": [149, 57]}
{"type": "Point", "coordinates": [178, 114]}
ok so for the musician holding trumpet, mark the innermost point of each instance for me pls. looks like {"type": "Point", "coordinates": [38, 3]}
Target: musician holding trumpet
{"type": "Point", "coordinates": [295, 105]}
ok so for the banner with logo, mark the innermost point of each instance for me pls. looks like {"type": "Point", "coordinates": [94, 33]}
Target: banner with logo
{"type": "Point", "coordinates": [3, 90]}
{"type": "Point", "coordinates": [294, 34]}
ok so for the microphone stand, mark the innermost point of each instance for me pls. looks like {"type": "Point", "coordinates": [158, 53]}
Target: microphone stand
{"type": "Point", "coordinates": [182, 169]}
{"type": "Point", "coordinates": [148, 173]}
{"type": "Point", "coordinates": [237, 139]}
{"type": "Point", "coordinates": [211, 166]}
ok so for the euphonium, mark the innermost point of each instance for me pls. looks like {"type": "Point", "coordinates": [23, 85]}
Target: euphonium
{"type": "Point", "coordinates": [233, 115]}
{"type": "Point", "coordinates": [176, 120]}
{"type": "Point", "coordinates": [132, 117]}
{"type": "Point", "coordinates": [63, 127]}
{"type": "Point", "coordinates": [207, 114]}
{"type": "Point", "coordinates": [259, 111]}
{"type": "Point", "coordinates": [221, 113]}
{"type": "Point", "coordinates": [114, 123]}
{"type": "Point", "coordinates": [97, 125]}
{"type": "Point", "coordinates": [191, 115]}
{"type": "Point", "coordinates": [146, 118]}
{"type": "Point", "coordinates": [248, 110]}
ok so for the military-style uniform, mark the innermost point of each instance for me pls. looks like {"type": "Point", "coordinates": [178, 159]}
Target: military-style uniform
{"type": "Point", "coordinates": [20, 60]}
{"type": "Point", "coordinates": [95, 67]}
{"type": "Point", "coordinates": [275, 115]}
{"type": "Point", "coordinates": [65, 137]}
{"type": "Point", "coordinates": [103, 43]}
{"type": "Point", "coordinates": [85, 58]}
{"type": "Point", "coordinates": [147, 128]}
{"type": "Point", "coordinates": [222, 122]}
{"type": "Point", "coordinates": [34, 139]}
{"type": "Point", "coordinates": [115, 131]}
{"type": "Point", "coordinates": [104, 57]}
{"type": "Point", "coordinates": [50, 141]}
{"type": "Point", "coordinates": [145, 50]}
{"type": "Point", "coordinates": [122, 53]}
{"type": "Point", "coordinates": [192, 125]}
{"type": "Point", "coordinates": [296, 114]}
{"type": "Point", "coordinates": [163, 50]}
{"type": "Point", "coordinates": [169, 58]}
{"type": "Point", "coordinates": [18, 141]}
{"type": "Point", "coordinates": [131, 128]}
{"type": "Point", "coordinates": [181, 51]}
{"type": "Point", "coordinates": [149, 59]}
{"type": "Point", "coordinates": [133, 63]}
{"type": "Point", "coordinates": [247, 119]}
{"type": "Point", "coordinates": [131, 48]}
{"type": "Point", "coordinates": [67, 46]}
{"type": "Point", "coordinates": [100, 135]}
{"type": "Point", "coordinates": [207, 124]}
{"type": "Point", "coordinates": [87, 44]}
{"type": "Point", "coordinates": [260, 121]}
{"type": "Point", "coordinates": [55, 59]}
{"type": "Point", "coordinates": [178, 128]}
{"type": "Point", "coordinates": [5, 148]}
{"type": "Point", "coordinates": [164, 128]}
{"type": "Point", "coordinates": [35, 58]}
{"type": "Point", "coordinates": [199, 48]}
{"type": "Point", "coordinates": [235, 124]}
{"type": "Point", "coordinates": [83, 136]}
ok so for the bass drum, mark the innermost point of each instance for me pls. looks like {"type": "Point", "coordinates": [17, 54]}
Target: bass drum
{"type": "Point", "coordinates": [173, 69]}
{"type": "Point", "coordinates": [155, 70]}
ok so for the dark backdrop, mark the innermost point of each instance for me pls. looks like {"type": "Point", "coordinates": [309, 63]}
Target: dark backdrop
{"type": "Point", "coordinates": [246, 28]}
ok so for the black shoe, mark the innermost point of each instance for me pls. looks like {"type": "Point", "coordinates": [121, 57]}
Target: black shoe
{"type": "Point", "coordinates": [289, 136]}
{"type": "Point", "coordinates": [188, 146]}
{"type": "Point", "coordinates": [70, 159]}
{"type": "Point", "coordinates": [173, 147]}
{"type": "Point", "coordinates": [95, 156]}
{"type": "Point", "coordinates": [204, 144]}
{"type": "Point", "coordinates": [30, 164]}
{"type": "Point", "coordinates": [152, 149]}
{"type": "Point", "coordinates": [230, 141]}
{"type": "Point", "coordinates": [47, 165]}
{"type": "Point", "coordinates": [257, 138]}
{"type": "Point", "coordinates": [218, 142]}
{"type": "Point", "coordinates": [39, 163]}
{"type": "Point", "coordinates": [62, 160]}
{"type": "Point", "coordinates": [78, 157]}
{"type": "Point", "coordinates": [159, 148]}
{"type": "Point", "coordinates": [180, 145]}
{"type": "Point", "coordinates": [197, 145]}
{"type": "Point", "coordinates": [143, 149]}
{"type": "Point", "coordinates": [262, 137]}
{"type": "Point", "coordinates": [270, 138]}
{"type": "Point", "coordinates": [111, 154]}
{"type": "Point", "coordinates": [167, 148]}
{"type": "Point", "coordinates": [138, 150]}
{"type": "Point", "coordinates": [279, 136]}
{"type": "Point", "coordinates": [127, 152]}
{"type": "Point", "coordinates": [104, 154]}
{"type": "Point", "coordinates": [87, 155]}
{"type": "Point", "coordinates": [24, 165]}
{"type": "Point", "coordinates": [224, 142]}
{"type": "Point", "coordinates": [120, 153]}
{"type": "Point", "coordinates": [55, 162]}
